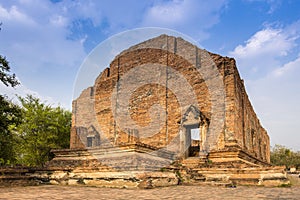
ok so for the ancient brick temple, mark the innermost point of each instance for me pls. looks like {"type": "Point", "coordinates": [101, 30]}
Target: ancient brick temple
{"type": "Point", "coordinates": [167, 104]}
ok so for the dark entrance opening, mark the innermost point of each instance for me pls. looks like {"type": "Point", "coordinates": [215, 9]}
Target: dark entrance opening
{"type": "Point", "coordinates": [89, 141]}
{"type": "Point", "coordinates": [194, 138]}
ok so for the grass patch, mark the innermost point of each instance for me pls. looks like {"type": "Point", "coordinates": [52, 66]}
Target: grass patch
{"type": "Point", "coordinates": [163, 169]}
{"type": "Point", "coordinates": [179, 176]}
{"type": "Point", "coordinates": [285, 185]}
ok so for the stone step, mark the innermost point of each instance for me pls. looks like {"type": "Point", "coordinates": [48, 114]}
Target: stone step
{"type": "Point", "coordinates": [267, 176]}
{"type": "Point", "coordinates": [194, 162]}
{"type": "Point", "coordinates": [228, 184]}
{"type": "Point", "coordinates": [15, 176]}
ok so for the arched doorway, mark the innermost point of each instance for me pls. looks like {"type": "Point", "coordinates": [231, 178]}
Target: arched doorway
{"type": "Point", "coordinates": [193, 133]}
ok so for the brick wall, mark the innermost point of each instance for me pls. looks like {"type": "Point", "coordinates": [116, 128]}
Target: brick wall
{"type": "Point", "coordinates": [123, 106]}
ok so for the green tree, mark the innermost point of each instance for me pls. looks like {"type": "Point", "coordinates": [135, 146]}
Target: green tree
{"type": "Point", "coordinates": [5, 77]}
{"type": "Point", "coordinates": [28, 133]}
{"type": "Point", "coordinates": [9, 114]}
{"type": "Point", "coordinates": [43, 128]}
{"type": "Point", "coordinates": [10, 117]}
{"type": "Point", "coordinates": [281, 155]}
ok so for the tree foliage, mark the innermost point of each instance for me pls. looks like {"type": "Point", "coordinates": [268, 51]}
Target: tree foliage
{"type": "Point", "coordinates": [43, 128]}
{"type": "Point", "coordinates": [281, 155]}
{"type": "Point", "coordinates": [10, 118]}
{"type": "Point", "coordinates": [5, 77]}
{"type": "Point", "coordinates": [28, 132]}
{"type": "Point", "coordinates": [9, 114]}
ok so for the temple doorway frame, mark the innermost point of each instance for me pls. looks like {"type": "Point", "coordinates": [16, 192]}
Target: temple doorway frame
{"type": "Point", "coordinates": [193, 119]}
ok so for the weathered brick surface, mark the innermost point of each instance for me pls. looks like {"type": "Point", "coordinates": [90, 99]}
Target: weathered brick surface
{"type": "Point", "coordinates": [212, 80]}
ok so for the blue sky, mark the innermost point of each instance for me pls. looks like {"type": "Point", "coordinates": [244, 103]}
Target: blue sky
{"type": "Point", "coordinates": [46, 42]}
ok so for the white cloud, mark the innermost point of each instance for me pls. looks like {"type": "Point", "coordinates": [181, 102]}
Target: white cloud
{"type": "Point", "coordinates": [58, 20]}
{"type": "Point", "coordinates": [264, 51]}
{"type": "Point", "coordinates": [273, 4]}
{"type": "Point", "coordinates": [290, 67]}
{"type": "Point", "coordinates": [82, 9]}
{"type": "Point", "coordinates": [170, 13]}
{"type": "Point", "coordinates": [13, 13]}
{"type": "Point", "coordinates": [40, 42]}
{"type": "Point", "coordinates": [23, 91]}
{"type": "Point", "coordinates": [276, 100]}
{"type": "Point", "coordinates": [193, 17]}
{"type": "Point", "coordinates": [34, 38]}
{"type": "Point", "coordinates": [265, 42]}
{"type": "Point", "coordinates": [270, 64]}
{"type": "Point", "coordinates": [105, 13]}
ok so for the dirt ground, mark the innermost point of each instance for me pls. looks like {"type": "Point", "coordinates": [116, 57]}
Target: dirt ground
{"type": "Point", "coordinates": [55, 192]}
